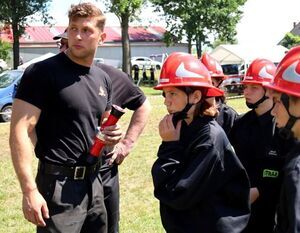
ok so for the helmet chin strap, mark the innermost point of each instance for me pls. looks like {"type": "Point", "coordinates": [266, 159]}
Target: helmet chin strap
{"type": "Point", "coordinates": [255, 105]}
{"type": "Point", "coordinates": [181, 115]}
{"type": "Point", "coordinates": [286, 131]}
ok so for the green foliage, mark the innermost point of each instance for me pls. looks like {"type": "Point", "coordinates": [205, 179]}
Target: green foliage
{"type": "Point", "coordinates": [199, 19]}
{"type": "Point", "coordinates": [5, 48]}
{"type": "Point", "coordinates": [290, 40]}
{"type": "Point", "coordinates": [21, 12]}
{"type": "Point", "coordinates": [18, 13]}
{"type": "Point", "coordinates": [131, 8]}
{"type": "Point", "coordinates": [126, 11]}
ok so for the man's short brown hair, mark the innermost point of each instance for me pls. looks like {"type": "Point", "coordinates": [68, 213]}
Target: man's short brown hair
{"type": "Point", "coordinates": [84, 10]}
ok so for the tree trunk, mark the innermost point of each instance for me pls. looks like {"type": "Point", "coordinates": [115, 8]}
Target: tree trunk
{"type": "Point", "coordinates": [16, 45]}
{"type": "Point", "coordinates": [126, 55]}
{"type": "Point", "coordinates": [15, 30]}
{"type": "Point", "coordinates": [199, 47]}
{"type": "Point", "coordinates": [189, 44]}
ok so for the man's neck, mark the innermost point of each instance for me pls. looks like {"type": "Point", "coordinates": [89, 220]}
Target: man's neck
{"type": "Point", "coordinates": [88, 61]}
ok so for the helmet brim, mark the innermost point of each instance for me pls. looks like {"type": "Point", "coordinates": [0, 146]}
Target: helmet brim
{"type": "Point", "coordinates": [212, 91]}
{"type": "Point", "coordinates": [221, 77]}
{"type": "Point", "coordinates": [282, 90]}
{"type": "Point", "coordinates": [252, 82]}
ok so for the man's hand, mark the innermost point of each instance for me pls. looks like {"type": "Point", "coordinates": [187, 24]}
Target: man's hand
{"type": "Point", "coordinates": [35, 207]}
{"type": "Point", "coordinates": [167, 131]}
{"type": "Point", "coordinates": [120, 151]}
{"type": "Point", "coordinates": [112, 134]}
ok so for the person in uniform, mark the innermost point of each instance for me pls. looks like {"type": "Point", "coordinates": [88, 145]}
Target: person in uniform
{"type": "Point", "coordinates": [285, 92]}
{"type": "Point", "coordinates": [199, 181]}
{"type": "Point", "coordinates": [256, 143]}
{"type": "Point", "coordinates": [227, 115]}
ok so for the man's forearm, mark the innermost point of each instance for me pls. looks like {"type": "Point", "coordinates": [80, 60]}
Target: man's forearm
{"type": "Point", "coordinates": [21, 152]}
{"type": "Point", "coordinates": [137, 123]}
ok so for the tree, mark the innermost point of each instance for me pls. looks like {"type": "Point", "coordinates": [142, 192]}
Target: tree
{"type": "Point", "coordinates": [18, 13]}
{"type": "Point", "coordinates": [4, 50]}
{"type": "Point", "coordinates": [199, 20]}
{"type": "Point", "coordinates": [290, 40]}
{"type": "Point", "coordinates": [126, 11]}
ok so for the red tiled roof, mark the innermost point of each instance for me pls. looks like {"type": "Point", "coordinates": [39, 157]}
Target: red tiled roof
{"type": "Point", "coordinates": [45, 34]}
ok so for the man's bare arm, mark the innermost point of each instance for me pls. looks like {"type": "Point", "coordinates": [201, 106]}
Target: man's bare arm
{"type": "Point", "coordinates": [22, 131]}
{"type": "Point", "coordinates": [23, 121]}
{"type": "Point", "coordinates": [137, 124]}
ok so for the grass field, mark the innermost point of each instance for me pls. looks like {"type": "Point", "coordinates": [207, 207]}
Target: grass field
{"type": "Point", "coordinates": [139, 209]}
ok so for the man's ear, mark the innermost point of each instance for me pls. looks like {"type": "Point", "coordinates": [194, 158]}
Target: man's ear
{"type": "Point", "coordinates": [102, 38]}
{"type": "Point", "coordinates": [196, 96]}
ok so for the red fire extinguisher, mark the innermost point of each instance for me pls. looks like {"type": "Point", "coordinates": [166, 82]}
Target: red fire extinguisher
{"type": "Point", "coordinates": [115, 115]}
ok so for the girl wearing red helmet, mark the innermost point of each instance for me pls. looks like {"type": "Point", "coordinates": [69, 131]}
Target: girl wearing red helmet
{"type": "Point", "coordinates": [227, 115]}
{"type": "Point", "coordinates": [286, 95]}
{"type": "Point", "coordinates": [255, 141]}
{"type": "Point", "coordinates": [199, 181]}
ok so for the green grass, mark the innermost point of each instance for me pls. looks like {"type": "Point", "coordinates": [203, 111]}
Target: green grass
{"type": "Point", "coordinates": [139, 208]}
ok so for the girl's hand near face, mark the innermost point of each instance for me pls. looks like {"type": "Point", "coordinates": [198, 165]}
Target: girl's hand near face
{"type": "Point", "coordinates": [167, 131]}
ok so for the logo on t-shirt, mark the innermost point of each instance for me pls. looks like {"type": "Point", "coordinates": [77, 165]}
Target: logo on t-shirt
{"type": "Point", "coordinates": [270, 173]}
{"type": "Point", "coordinates": [101, 91]}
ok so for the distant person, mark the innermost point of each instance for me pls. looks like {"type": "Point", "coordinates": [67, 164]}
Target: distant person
{"type": "Point", "coordinates": [126, 95]}
{"type": "Point", "coordinates": [199, 181]}
{"type": "Point", "coordinates": [256, 143]}
{"type": "Point", "coordinates": [285, 92]}
{"type": "Point", "coordinates": [62, 40]}
{"type": "Point", "coordinates": [227, 115]}
{"type": "Point", "coordinates": [58, 106]}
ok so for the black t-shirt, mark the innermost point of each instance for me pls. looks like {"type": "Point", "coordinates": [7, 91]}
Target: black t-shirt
{"type": "Point", "coordinates": [72, 99]}
{"type": "Point", "coordinates": [125, 93]}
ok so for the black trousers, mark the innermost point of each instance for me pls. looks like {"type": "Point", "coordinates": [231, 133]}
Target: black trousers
{"type": "Point", "coordinates": [75, 206]}
{"type": "Point", "coordinates": [110, 178]}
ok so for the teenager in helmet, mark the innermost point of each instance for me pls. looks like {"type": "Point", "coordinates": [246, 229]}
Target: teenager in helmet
{"type": "Point", "coordinates": [198, 179]}
{"type": "Point", "coordinates": [227, 115]}
{"type": "Point", "coordinates": [286, 96]}
{"type": "Point", "coordinates": [255, 140]}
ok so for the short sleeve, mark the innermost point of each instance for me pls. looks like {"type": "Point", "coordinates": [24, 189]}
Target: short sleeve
{"type": "Point", "coordinates": [34, 86]}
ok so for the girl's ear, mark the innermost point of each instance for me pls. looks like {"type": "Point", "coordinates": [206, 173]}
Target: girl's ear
{"type": "Point", "coordinates": [196, 96]}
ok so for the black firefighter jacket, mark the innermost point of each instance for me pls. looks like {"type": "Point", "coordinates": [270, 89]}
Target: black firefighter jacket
{"type": "Point", "coordinates": [258, 146]}
{"type": "Point", "coordinates": [200, 183]}
{"type": "Point", "coordinates": [288, 216]}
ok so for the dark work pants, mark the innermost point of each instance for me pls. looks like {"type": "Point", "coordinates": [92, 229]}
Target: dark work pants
{"type": "Point", "coordinates": [75, 206]}
{"type": "Point", "coordinates": [110, 180]}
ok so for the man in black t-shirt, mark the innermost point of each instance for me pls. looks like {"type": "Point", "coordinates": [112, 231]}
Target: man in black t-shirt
{"type": "Point", "coordinates": [58, 106]}
{"type": "Point", "coordinates": [126, 95]}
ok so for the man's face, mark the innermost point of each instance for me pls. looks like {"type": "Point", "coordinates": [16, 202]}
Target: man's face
{"type": "Point", "coordinates": [84, 37]}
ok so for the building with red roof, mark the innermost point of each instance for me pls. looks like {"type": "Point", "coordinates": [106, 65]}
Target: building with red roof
{"type": "Point", "coordinates": [145, 41]}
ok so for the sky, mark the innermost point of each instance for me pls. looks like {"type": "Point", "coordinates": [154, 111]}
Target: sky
{"type": "Point", "coordinates": [264, 22]}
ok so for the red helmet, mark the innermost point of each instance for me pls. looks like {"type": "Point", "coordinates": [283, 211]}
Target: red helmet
{"type": "Point", "coordinates": [213, 66]}
{"type": "Point", "coordinates": [260, 71]}
{"type": "Point", "coordinates": [287, 77]}
{"type": "Point", "coordinates": [184, 70]}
